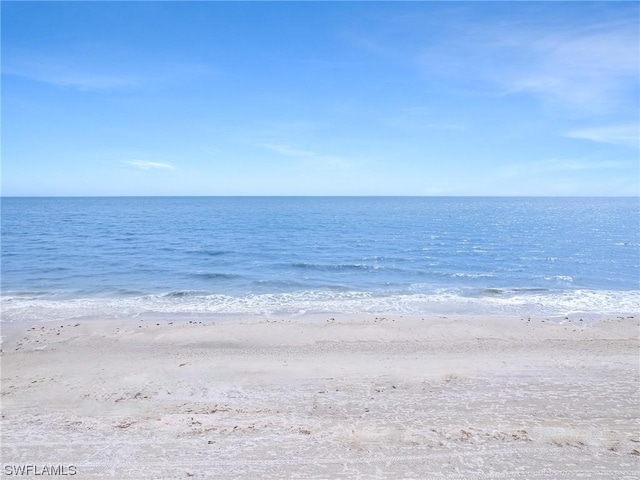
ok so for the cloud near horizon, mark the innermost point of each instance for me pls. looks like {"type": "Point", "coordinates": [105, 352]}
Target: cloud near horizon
{"type": "Point", "coordinates": [536, 168]}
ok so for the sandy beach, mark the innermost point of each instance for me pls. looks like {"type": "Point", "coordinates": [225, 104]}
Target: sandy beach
{"type": "Point", "coordinates": [323, 397]}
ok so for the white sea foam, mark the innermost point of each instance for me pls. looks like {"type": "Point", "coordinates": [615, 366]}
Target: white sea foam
{"type": "Point", "coordinates": [445, 301]}
{"type": "Point", "coordinates": [562, 278]}
{"type": "Point", "coordinates": [472, 275]}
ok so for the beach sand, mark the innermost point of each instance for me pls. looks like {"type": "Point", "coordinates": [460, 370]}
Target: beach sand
{"type": "Point", "coordinates": [324, 397]}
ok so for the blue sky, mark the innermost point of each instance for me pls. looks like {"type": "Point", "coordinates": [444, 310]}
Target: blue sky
{"type": "Point", "coordinates": [320, 98]}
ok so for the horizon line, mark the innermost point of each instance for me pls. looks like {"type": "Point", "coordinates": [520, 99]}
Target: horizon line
{"type": "Point", "coordinates": [319, 196]}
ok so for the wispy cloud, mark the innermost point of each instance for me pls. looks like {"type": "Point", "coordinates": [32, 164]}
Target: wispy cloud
{"type": "Point", "coordinates": [625, 135]}
{"type": "Point", "coordinates": [96, 71]}
{"type": "Point", "coordinates": [288, 150]}
{"type": "Point", "coordinates": [64, 72]}
{"type": "Point", "coordinates": [308, 155]}
{"type": "Point", "coordinates": [587, 70]}
{"type": "Point", "coordinates": [420, 118]}
{"type": "Point", "coordinates": [146, 165]}
{"type": "Point", "coordinates": [580, 62]}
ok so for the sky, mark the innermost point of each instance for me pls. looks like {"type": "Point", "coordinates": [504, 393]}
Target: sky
{"type": "Point", "coordinates": [320, 98]}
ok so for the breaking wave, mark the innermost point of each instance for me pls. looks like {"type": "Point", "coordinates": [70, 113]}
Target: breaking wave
{"type": "Point", "coordinates": [444, 301]}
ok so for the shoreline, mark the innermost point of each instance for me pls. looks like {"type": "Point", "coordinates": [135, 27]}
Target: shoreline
{"type": "Point", "coordinates": [523, 302]}
{"type": "Point", "coordinates": [327, 396]}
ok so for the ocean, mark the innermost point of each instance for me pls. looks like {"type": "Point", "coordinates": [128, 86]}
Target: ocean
{"type": "Point", "coordinates": [129, 257]}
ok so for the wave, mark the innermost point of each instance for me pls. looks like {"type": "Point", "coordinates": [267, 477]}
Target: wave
{"type": "Point", "coordinates": [183, 293]}
{"type": "Point", "coordinates": [332, 267]}
{"type": "Point", "coordinates": [215, 276]}
{"type": "Point", "coordinates": [279, 284]}
{"type": "Point", "coordinates": [511, 291]}
{"type": "Point", "coordinates": [561, 278]}
{"type": "Point", "coordinates": [515, 301]}
{"type": "Point", "coordinates": [209, 253]}
{"type": "Point", "coordinates": [472, 275]}
{"type": "Point", "coordinates": [354, 268]}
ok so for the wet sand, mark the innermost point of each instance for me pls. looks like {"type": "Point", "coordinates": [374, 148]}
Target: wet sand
{"type": "Point", "coordinates": [324, 397]}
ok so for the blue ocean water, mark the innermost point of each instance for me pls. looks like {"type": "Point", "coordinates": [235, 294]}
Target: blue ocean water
{"type": "Point", "coordinates": [124, 257]}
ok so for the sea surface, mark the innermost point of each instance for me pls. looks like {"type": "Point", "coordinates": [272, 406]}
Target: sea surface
{"type": "Point", "coordinates": [71, 258]}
